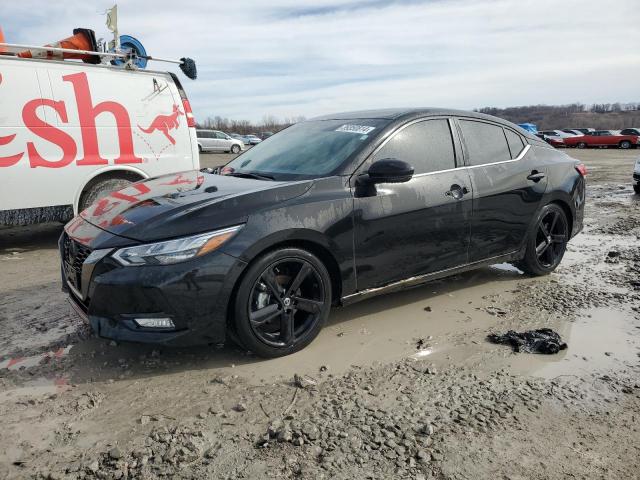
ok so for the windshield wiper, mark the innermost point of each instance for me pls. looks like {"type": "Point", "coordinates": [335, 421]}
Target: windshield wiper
{"type": "Point", "coordinates": [256, 176]}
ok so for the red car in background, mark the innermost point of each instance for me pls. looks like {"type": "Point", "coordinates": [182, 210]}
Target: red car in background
{"type": "Point", "coordinates": [603, 138]}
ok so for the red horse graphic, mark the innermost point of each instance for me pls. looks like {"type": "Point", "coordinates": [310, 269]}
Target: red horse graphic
{"type": "Point", "coordinates": [164, 123]}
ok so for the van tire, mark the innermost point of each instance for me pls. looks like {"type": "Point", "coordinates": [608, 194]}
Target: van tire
{"type": "Point", "coordinates": [100, 189]}
{"type": "Point", "coordinates": [200, 148]}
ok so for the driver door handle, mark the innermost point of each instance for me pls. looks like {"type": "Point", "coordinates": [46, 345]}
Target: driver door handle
{"type": "Point", "coordinates": [536, 176]}
{"type": "Point", "coordinates": [456, 191]}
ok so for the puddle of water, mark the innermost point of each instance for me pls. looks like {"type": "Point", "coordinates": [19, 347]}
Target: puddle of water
{"type": "Point", "coordinates": [601, 339]}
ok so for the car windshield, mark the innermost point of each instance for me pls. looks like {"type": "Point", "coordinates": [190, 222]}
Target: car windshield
{"type": "Point", "coordinates": [307, 149]}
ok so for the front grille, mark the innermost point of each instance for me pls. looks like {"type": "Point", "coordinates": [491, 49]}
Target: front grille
{"type": "Point", "coordinates": [74, 254]}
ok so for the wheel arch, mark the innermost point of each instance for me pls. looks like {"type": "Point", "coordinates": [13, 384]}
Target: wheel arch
{"type": "Point", "coordinates": [121, 171]}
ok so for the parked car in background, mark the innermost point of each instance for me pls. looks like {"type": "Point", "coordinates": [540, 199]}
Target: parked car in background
{"type": "Point", "coordinates": [573, 131]}
{"type": "Point", "coordinates": [253, 139]}
{"type": "Point", "coordinates": [328, 212]}
{"type": "Point", "coordinates": [553, 140]}
{"type": "Point", "coordinates": [630, 131]}
{"type": "Point", "coordinates": [265, 135]}
{"type": "Point", "coordinates": [584, 130]}
{"type": "Point", "coordinates": [242, 138]}
{"type": "Point", "coordinates": [603, 138]}
{"type": "Point", "coordinates": [216, 141]}
{"type": "Point", "coordinates": [558, 133]}
{"type": "Point", "coordinates": [636, 176]}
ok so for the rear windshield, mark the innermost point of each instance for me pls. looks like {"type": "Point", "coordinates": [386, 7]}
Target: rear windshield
{"type": "Point", "coordinates": [308, 149]}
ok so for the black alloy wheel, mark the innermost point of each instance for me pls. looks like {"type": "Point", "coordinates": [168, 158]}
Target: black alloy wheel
{"type": "Point", "coordinates": [282, 302]}
{"type": "Point", "coordinates": [547, 242]}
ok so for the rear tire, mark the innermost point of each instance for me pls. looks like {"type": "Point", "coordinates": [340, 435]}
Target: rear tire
{"type": "Point", "coordinates": [282, 302]}
{"type": "Point", "coordinates": [546, 242]}
{"type": "Point", "coordinates": [625, 144]}
{"type": "Point", "coordinates": [101, 189]}
{"type": "Point", "coordinates": [636, 188]}
{"type": "Point", "coordinates": [582, 145]}
{"type": "Point", "coordinates": [200, 148]}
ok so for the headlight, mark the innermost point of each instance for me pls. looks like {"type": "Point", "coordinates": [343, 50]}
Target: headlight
{"type": "Point", "coordinates": [173, 251]}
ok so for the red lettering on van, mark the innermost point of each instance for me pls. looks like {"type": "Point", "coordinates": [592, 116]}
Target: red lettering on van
{"type": "Point", "coordinates": [88, 112]}
{"type": "Point", "coordinates": [11, 160]}
{"type": "Point", "coordinates": [48, 132]}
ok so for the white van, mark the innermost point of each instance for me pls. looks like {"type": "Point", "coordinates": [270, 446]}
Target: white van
{"type": "Point", "coordinates": [72, 132]}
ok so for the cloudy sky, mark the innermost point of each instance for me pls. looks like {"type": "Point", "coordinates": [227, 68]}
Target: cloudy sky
{"type": "Point", "coordinates": [296, 57]}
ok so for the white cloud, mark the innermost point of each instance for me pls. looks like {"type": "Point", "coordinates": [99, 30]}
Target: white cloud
{"type": "Point", "coordinates": [287, 57]}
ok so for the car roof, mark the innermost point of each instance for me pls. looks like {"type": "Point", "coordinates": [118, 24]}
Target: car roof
{"type": "Point", "coordinates": [410, 113]}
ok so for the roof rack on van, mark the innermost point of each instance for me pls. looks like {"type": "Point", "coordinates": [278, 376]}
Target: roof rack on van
{"type": "Point", "coordinates": [82, 46]}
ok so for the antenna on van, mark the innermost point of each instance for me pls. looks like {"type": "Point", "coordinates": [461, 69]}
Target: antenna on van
{"type": "Point", "coordinates": [112, 25]}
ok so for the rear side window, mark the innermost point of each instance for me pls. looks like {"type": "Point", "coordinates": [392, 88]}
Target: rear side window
{"type": "Point", "coordinates": [515, 142]}
{"type": "Point", "coordinates": [485, 142]}
{"type": "Point", "coordinates": [426, 145]}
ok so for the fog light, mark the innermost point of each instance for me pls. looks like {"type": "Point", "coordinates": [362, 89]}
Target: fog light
{"type": "Point", "coordinates": [155, 322]}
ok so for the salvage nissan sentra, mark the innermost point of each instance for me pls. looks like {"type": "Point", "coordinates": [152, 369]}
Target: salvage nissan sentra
{"type": "Point", "coordinates": [327, 212]}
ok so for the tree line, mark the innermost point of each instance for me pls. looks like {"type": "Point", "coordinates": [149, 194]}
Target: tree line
{"type": "Point", "coordinates": [269, 123]}
{"type": "Point", "coordinates": [605, 116]}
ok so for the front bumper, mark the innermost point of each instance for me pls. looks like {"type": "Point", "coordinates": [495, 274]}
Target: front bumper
{"type": "Point", "coordinates": [194, 294]}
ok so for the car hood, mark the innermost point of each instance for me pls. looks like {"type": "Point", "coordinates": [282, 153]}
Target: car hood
{"type": "Point", "coordinates": [186, 203]}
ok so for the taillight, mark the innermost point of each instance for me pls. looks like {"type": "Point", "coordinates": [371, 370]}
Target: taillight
{"type": "Point", "coordinates": [191, 121]}
{"type": "Point", "coordinates": [582, 169]}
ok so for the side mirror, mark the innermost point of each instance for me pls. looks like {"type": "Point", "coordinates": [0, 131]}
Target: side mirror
{"type": "Point", "coordinates": [390, 170]}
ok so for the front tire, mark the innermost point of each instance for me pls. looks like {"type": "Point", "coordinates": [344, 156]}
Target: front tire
{"type": "Point", "coordinates": [546, 242]}
{"type": "Point", "coordinates": [235, 149]}
{"type": "Point", "coordinates": [582, 145]}
{"type": "Point", "coordinates": [282, 302]}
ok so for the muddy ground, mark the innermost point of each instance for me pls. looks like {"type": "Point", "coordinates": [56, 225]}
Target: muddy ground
{"type": "Point", "coordinates": [400, 386]}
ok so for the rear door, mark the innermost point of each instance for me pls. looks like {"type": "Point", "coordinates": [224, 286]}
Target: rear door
{"type": "Point", "coordinates": [223, 141]}
{"type": "Point", "coordinates": [508, 185]}
{"type": "Point", "coordinates": [406, 229]}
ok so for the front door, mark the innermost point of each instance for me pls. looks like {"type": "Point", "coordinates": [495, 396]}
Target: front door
{"type": "Point", "coordinates": [422, 226]}
{"type": "Point", "coordinates": [508, 184]}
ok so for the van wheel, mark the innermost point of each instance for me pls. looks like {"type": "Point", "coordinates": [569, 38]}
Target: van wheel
{"type": "Point", "coordinates": [101, 189]}
{"type": "Point", "coordinates": [282, 302]}
{"type": "Point", "coordinates": [235, 149]}
{"type": "Point", "coordinates": [200, 148]}
{"type": "Point", "coordinates": [625, 144]}
{"type": "Point", "coordinates": [547, 242]}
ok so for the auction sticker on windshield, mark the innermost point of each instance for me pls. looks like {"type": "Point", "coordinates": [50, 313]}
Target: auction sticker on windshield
{"type": "Point", "coordinates": [360, 129]}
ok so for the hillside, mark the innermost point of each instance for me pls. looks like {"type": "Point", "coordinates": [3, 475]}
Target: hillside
{"type": "Point", "coordinates": [547, 117]}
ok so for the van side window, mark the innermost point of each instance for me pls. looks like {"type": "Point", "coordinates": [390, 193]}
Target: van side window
{"type": "Point", "coordinates": [515, 142]}
{"type": "Point", "coordinates": [221, 135]}
{"type": "Point", "coordinates": [485, 142]}
{"type": "Point", "coordinates": [426, 145]}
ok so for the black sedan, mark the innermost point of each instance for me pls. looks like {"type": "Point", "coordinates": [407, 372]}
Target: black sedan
{"type": "Point", "coordinates": [327, 212]}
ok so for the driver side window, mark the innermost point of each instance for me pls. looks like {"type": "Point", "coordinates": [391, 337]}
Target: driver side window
{"type": "Point", "coordinates": [427, 146]}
